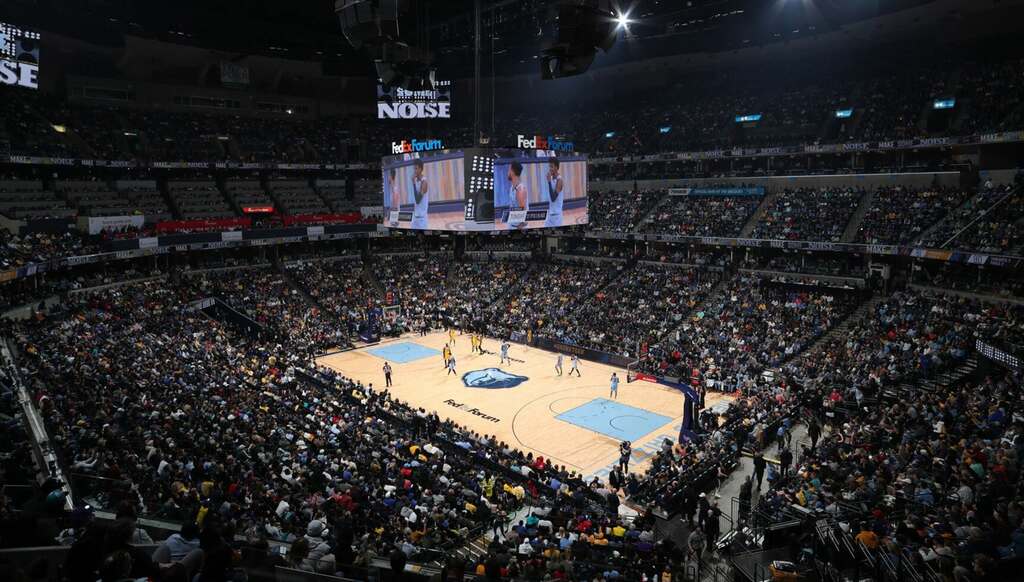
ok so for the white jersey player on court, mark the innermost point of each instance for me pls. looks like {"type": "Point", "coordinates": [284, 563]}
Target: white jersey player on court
{"type": "Point", "coordinates": [556, 194]}
{"type": "Point", "coordinates": [558, 365]}
{"type": "Point", "coordinates": [575, 367]}
{"type": "Point", "coordinates": [504, 353]}
{"type": "Point", "coordinates": [421, 194]}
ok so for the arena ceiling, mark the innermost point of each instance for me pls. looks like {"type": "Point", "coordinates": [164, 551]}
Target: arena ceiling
{"type": "Point", "coordinates": [515, 29]}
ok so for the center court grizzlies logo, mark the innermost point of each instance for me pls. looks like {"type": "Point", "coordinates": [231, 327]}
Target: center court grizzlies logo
{"type": "Point", "coordinates": [492, 378]}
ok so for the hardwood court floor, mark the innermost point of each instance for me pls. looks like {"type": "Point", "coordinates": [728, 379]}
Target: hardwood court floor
{"type": "Point", "coordinates": [586, 437]}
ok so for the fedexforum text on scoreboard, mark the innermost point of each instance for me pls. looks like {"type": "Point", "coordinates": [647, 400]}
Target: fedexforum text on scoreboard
{"type": "Point", "coordinates": [19, 56]}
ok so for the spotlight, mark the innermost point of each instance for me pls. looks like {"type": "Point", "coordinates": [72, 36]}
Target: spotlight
{"type": "Point", "coordinates": [623, 20]}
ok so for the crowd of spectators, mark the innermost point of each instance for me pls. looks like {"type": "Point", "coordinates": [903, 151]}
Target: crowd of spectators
{"type": "Point", "coordinates": [750, 324]}
{"type": "Point", "coordinates": [269, 300]}
{"type": "Point", "coordinates": [932, 481]}
{"type": "Point", "coordinates": [909, 332]}
{"type": "Point", "coordinates": [901, 215]}
{"type": "Point", "coordinates": [18, 250]}
{"type": "Point", "coordinates": [640, 306]}
{"type": "Point", "coordinates": [336, 285]}
{"type": "Point", "coordinates": [808, 214]}
{"type": "Point", "coordinates": [989, 222]}
{"type": "Point", "coordinates": [620, 211]}
{"type": "Point", "coordinates": [703, 215]}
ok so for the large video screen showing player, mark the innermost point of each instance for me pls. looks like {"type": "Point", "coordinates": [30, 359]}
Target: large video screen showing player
{"type": "Point", "coordinates": [539, 189]}
{"type": "Point", "coordinates": [481, 189]}
{"type": "Point", "coordinates": [424, 190]}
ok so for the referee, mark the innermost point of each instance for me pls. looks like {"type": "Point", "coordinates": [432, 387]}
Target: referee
{"type": "Point", "coordinates": [387, 375]}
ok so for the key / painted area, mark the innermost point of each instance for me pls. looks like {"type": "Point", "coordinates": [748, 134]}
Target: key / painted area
{"type": "Point", "coordinates": [403, 352]}
{"type": "Point", "coordinates": [619, 421]}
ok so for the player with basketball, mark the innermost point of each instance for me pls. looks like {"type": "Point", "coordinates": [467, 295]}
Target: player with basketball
{"type": "Point", "coordinates": [556, 194]}
{"type": "Point", "coordinates": [421, 194]}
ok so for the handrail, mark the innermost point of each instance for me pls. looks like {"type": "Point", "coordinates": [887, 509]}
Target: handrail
{"type": "Point", "coordinates": [46, 457]}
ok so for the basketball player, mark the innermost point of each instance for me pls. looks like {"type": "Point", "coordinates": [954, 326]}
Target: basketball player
{"type": "Point", "coordinates": [558, 365]}
{"type": "Point", "coordinates": [420, 190]}
{"type": "Point", "coordinates": [575, 367]}
{"type": "Point", "coordinates": [387, 374]}
{"type": "Point", "coordinates": [555, 194]}
{"type": "Point", "coordinates": [392, 198]}
{"type": "Point", "coordinates": [451, 335]}
{"type": "Point", "coordinates": [504, 353]}
{"type": "Point", "coordinates": [519, 198]}
{"type": "Point", "coordinates": [615, 387]}
{"type": "Point", "coordinates": [446, 353]}
{"type": "Point", "coordinates": [451, 366]}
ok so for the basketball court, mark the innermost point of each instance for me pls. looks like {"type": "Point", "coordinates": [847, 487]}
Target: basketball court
{"type": "Point", "coordinates": [573, 421]}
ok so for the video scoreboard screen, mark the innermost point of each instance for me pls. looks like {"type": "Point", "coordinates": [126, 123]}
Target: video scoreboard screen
{"type": "Point", "coordinates": [479, 189]}
{"type": "Point", "coordinates": [19, 56]}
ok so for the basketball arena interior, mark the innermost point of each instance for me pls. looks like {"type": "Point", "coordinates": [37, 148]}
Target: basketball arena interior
{"type": "Point", "coordinates": [511, 290]}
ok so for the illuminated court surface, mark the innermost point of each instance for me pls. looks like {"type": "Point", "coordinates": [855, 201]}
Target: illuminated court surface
{"type": "Point", "coordinates": [571, 421]}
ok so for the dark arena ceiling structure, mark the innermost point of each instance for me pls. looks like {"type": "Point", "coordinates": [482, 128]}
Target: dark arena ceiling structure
{"type": "Point", "coordinates": [515, 31]}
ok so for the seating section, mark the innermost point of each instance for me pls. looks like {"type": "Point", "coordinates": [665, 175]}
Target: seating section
{"type": "Point", "coordinates": [808, 214]}
{"type": "Point", "coordinates": [703, 215]}
{"type": "Point", "coordinates": [144, 196]}
{"type": "Point", "coordinates": [901, 215]}
{"type": "Point", "coordinates": [336, 199]}
{"type": "Point", "coordinates": [247, 193]}
{"type": "Point", "coordinates": [21, 199]}
{"type": "Point", "coordinates": [620, 211]}
{"type": "Point", "coordinates": [640, 306]}
{"type": "Point", "coordinates": [94, 198]}
{"type": "Point", "coordinates": [989, 222]}
{"type": "Point", "coordinates": [750, 324]}
{"type": "Point", "coordinates": [199, 200]}
{"type": "Point", "coordinates": [297, 197]}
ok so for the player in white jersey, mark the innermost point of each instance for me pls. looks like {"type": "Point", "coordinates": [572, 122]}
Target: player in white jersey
{"type": "Point", "coordinates": [504, 353]}
{"type": "Point", "coordinates": [558, 365]}
{"type": "Point", "coordinates": [519, 197]}
{"type": "Point", "coordinates": [421, 192]}
{"type": "Point", "coordinates": [556, 194]}
{"type": "Point", "coordinates": [575, 367]}
{"type": "Point", "coordinates": [391, 200]}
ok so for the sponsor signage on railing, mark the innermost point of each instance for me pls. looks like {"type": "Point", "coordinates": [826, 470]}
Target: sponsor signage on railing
{"type": "Point", "coordinates": [719, 191]}
{"type": "Point", "coordinates": [210, 224]}
{"type": "Point", "coordinates": [98, 224]}
{"type": "Point", "coordinates": [258, 209]}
